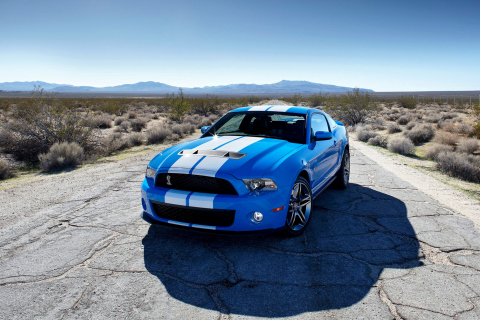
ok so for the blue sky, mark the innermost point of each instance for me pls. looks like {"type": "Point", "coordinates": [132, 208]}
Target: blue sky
{"type": "Point", "coordinates": [381, 45]}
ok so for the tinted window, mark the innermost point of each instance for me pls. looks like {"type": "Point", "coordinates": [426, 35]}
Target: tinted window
{"type": "Point", "coordinates": [331, 122]}
{"type": "Point", "coordinates": [277, 125]}
{"type": "Point", "coordinates": [319, 123]}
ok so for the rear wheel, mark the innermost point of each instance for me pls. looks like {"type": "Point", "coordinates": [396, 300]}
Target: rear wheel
{"type": "Point", "coordinates": [343, 174]}
{"type": "Point", "coordinates": [299, 208]}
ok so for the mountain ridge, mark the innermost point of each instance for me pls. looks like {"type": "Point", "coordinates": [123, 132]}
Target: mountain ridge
{"type": "Point", "coordinates": [284, 86]}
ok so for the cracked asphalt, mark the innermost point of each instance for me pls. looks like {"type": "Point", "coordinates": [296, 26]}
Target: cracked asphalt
{"type": "Point", "coordinates": [73, 247]}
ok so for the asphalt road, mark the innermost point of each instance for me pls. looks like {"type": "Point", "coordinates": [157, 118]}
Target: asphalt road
{"type": "Point", "coordinates": [73, 246]}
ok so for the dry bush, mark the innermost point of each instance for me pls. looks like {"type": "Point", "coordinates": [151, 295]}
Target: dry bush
{"type": "Point", "coordinates": [407, 102]}
{"type": "Point", "coordinates": [447, 126]}
{"type": "Point", "coordinates": [183, 129]}
{"type": "Point", "coordinates": [380, 141]}
{"type": "Point", "coordinates": [131, 115]}
{"type": "Point", "coordinates": [42, 121]}
{"type": "Point", "coordinates": [157, 134]}
{"type": "Point", "coordinates": [421, 133]}
{"type": "Point", "coordinates": [138, 124]}
{"type": "Point", "coordinates": [401, 145]}
{"type": "Point", "coordinates": [448, 115]}
{"type": "Point", "coordinates": [125, 125]}
{"type": "Point", "coordinates": [468, 146]}
{"type": "Point", "coordinates": [394, 128]}
{"type": "Point", "coordinates": [103, 121]}
{"type": "Point", "coordinates": [466, 167]}
{"type": "Point", "coordinates": [446, 138]}
{"type": "Point", "coordinates": [6, 170]}
{"type": "Point", "coordinates": [466, 129]}
{"type": "Point", "coordinates": [433, 118]}
{"type": "Point", "coordinates": [434, 149]}
{"type": "Point", "coordinates": [135, 139]}
{"type": "Point", "coordinates": [115, 142]}
{"type": "Point", "coordinates": [403, 120]}
{"type": "Point", "coordinates": [60, 156]}
{"type": "Point", "coordinates": [353, 107]}
{"type": "Point", "coordinates": [119, 120]}
{"type": "Point", "coordinates": [364, 134]}
{"type": "Point", "coordinates": [392, 117]}
{"type": "Point", "coordinates": [410, 125]}
{"type": "Point", "coordinates": [175, 137]}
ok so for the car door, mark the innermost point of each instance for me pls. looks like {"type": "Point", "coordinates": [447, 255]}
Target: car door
{"type": "Point", "coordinates": [337, 141]}
{"type": "Point", "coordinates": [324, 161]}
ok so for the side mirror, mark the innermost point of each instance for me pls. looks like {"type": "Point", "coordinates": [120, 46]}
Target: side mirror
{"type": "Point", "coordinates": [323, 135]}
{"type": "Point", "coordinates": [204, 129]}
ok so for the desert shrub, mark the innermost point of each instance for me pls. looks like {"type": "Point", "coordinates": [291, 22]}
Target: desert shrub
{"type": "Point", "coordinates": [401, 145]}
{"type": "Point", "coordinates": [403, 120]}
{"type": "Point", "coordinates": [466, 129]}
{"type": "Point", "coordinates": [179, 129]}
{"type": "Point", "coordinates": [448, 115]}
{"type": "Point", "coordinates": [135, 139]}
{"type": "Point", "coordinates": [317, 99]}
{"type": "Point", "coordinates": [446, 138]}
{"type": "Point", "coordinates": [131, 115]}
{"type": "Point", "coordinates": [175, 137]}
{"type": "Point", "coordinates": [466, 167]}
{"type": "Point", "coordinates": [157, 134]}
{"type": "Point", "coordinates": [205, 105]}
{"type": "Point", "coordinates": [102, 121]}
{"type": "Point", "coordinates": [410, 125]}
{"type": "Point", "coordinates": [394, 128]}
{"type": "Point", "coordinates": [118, 120]}
{"type": "Point", "coordinates": [115, 142]}
{"type": "Point", "coordinates": [40, 122]}
{"type": "Point", "coordinates": [447, 126]}
{"type": "Point", "coordinates": [468, 146]}
{"type": "Point", "coordinates": [392, 117]}
{"type": "Point", "coordinates": [433, 118]}
{"type": "Point", "coordinates": [353, 107]}
{"type": "Point", "coordinates": [125, 125]}
{"type": "Point", "coordinates": [60, 156]}
{"type": "Point", "coordinates": [363, 134]}
{"type": "Point", "coordinates": [380, 141]}
{"type": "Point", "coordinates": [434, 149]}
{"type": "Point", "coordinates": [421, 133]}
{"type": "Point", "coordinates": [138, 124]}
{"type": "Point", "coordinates": [407, 102]}
{"type": "Point", "coordinates": [6, 170]}
{"type": "Point", "coordinates": [206, 122]}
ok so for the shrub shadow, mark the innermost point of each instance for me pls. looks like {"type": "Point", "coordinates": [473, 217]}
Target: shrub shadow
{"type": "Point", "coordinates": [353, 236]}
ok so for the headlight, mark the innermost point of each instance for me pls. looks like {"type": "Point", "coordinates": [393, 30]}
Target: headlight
{"type": "Point", "coordinates": [150, 172]}
{"type": "Point", "coordinates": [260, 184]}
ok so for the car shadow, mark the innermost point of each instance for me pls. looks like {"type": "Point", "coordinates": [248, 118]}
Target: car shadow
{"type": "Point", "coordinates": [354, 235]}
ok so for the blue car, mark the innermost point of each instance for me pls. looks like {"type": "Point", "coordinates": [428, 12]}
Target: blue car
{"type": "Point", "coordinates": [257, 169]}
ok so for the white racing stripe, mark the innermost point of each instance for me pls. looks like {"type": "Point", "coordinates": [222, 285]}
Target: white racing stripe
{"type": "Point", "coordinates": [279, 108]}
{"type": "Point", "coordinates": [201, 200]}
{"type": "Point", "coordinates": [188, 161]}
{"type": "Point", "coordinates": [185, 224]}
{"type": "Point", "coordinates": [176, 197]}
{"type": "Point", "coordinates": [213, 164]}
{"type": "Point", "coordinates": [259, 108]}
{"type": "Point", "coordinates": [203, 227]}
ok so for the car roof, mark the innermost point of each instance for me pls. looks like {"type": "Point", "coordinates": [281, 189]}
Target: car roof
{"type": "Point", "coordinates": [275, 108]}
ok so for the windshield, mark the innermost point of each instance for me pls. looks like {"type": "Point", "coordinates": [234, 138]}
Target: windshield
{"type": "Point", "coordinates": [281, 125]}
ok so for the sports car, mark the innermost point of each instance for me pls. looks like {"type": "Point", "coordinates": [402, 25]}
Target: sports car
{"type": "Point", "coordinates": [257, 169]}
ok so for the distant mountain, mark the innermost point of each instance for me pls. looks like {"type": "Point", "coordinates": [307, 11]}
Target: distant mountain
{"type": "Point", "coordinates": [284, 86]}
{"type": "Point", "coordinates": [29, 85]}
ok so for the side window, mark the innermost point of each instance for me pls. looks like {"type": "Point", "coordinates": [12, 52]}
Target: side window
{"type": "Point", "coordinates": [331, 122]}
{"type": "Point", "coordinates": [319, 123]}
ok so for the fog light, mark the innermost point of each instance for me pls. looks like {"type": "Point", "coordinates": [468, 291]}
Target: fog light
{"type": "Point", "coordinates": [257, 216]}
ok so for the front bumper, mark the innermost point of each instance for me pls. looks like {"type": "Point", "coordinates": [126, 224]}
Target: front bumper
{"type": "Point", "coordinates": [244, 206]}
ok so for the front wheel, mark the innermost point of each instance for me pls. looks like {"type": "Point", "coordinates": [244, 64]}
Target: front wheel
{"type": "Point", "coordinates": [343, 174]}
{"type": "Point", "coordinates": [299, 208]}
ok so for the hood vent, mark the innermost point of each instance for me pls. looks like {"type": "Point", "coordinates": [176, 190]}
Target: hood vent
{"type": "Point", "coordinates": [213, 153]}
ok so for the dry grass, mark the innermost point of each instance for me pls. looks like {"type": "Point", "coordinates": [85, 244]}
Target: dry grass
{"type": "Point", "coordinates": [466, 167]}
{"type": "Point", "coordinates": [6, 170]}
{"type": "Point", "coordinates": [468, 146]}
{"type": "Point", "coordinates": [434, 149]}
{"type": "Point", "coordinates": [446, 138]}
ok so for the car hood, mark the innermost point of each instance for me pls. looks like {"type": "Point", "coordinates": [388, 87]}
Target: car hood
{"type": "Point", "coordinates": [242, 157]}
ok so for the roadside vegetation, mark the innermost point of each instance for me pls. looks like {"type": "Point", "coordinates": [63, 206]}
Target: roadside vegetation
{"type": "Point", "coordinates": [48, 133]}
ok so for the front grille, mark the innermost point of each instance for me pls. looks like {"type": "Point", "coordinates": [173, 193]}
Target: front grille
{"type": "Point", "coordinates": [188, 182]}
{"type": "Point", "coordinates": [207, 217]}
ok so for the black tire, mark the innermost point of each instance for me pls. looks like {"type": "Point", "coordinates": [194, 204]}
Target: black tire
{"type": "Point", "coordinates": [343, 174]}
{"type": "Point", "coordinates": [299, 209]}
